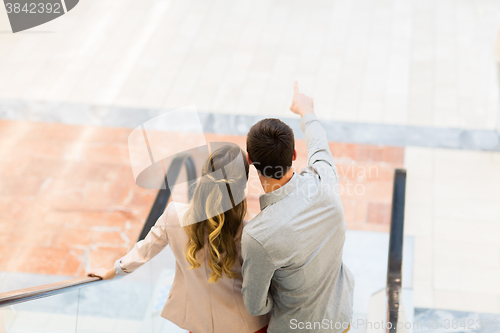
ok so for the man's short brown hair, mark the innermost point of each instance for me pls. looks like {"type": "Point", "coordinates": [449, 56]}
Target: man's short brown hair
{"type": "Point", "coordinates": [270, 146]}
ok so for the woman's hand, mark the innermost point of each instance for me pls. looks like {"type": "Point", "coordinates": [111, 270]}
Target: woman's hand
{"type": "Point", "coordinates": [104, 274]}
{"type": "Point", "coordinates": [301, 104]}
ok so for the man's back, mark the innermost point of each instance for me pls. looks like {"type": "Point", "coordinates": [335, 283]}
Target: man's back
{"type": "Point", "coordinates": [293, 248]}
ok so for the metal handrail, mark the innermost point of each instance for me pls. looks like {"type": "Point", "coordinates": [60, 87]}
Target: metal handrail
{"type": "Point", "coordinates": [46, 290]}
{"type": "Point", "coordinates": [394, 267]}
{"type": "Point", "coordinates": [51, 289]}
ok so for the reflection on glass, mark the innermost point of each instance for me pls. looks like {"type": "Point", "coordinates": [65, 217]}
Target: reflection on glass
{"type": "Point", "coordinates": [56, 314]}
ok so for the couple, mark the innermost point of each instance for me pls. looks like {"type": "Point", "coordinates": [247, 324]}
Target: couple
{"type": "Point", "coordinates": [280, 272]}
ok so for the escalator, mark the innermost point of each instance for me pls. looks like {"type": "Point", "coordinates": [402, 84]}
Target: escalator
{"type": "Point", "coordinates": [134, 303]}
{"type": "Point", "coordinates": [130, 304]}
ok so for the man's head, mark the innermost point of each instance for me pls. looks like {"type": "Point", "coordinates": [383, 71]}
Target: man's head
{"type": "Point", "coordinates": [271, 147]}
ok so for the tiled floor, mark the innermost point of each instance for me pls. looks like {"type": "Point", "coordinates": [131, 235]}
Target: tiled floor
{"type": "Point", "coordinates": [417, 63]}
{"type": "Point", "coordinates": [400, 62]}
{"type": "Point", "coordinates": [435, 320]}
{"type": "Point", "coordinates": [68, 199]}
{"type": "Point", "coordinates": [63, 188]}
{"type": "Point", "coordinates": [453, 211]}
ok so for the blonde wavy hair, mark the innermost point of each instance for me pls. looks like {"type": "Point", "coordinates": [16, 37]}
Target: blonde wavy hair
{"type": "Point", "coordinates": [216, 213]}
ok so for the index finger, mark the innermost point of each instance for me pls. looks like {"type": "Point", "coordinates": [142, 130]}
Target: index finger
{"type": "Point", "coordinates": [296, 87]}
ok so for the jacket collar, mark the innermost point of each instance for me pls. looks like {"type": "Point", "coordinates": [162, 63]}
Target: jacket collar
{"type": "Point", "coordinates": [270, 198]}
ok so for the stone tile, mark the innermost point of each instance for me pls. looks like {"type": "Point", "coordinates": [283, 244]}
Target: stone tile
{"type": "Point", "coordinates": [131, 195]}
{"type": "Point", "coordinates": [376, 190]}
{"type": "Point", "coordinates": [343, 150]}
{"type": "Point", "coordinates": [473, 164]}
{"type": "Point", "coordinates": [43, 148]}
{"type": "Point", "coordinates": [75, 237]}
{"type": "Point", "coordinates": [21, 186]}
{"type": "Point", "coordinates": [8, 263]}
{"type": "Point", "coordinates": [12, 166]}
{"type": "Point", "coordinates": [35, 233]}
{"type": "Point", "coordinates": [465, 301]}
{"type": "Point", "coordinates": [73, 264]}
{"type": "Point", "coordinates": [62, 217]}
{"type": "Point", "coordinates": [120, 219]}
{"type": "Point", "coordinates": [423, 293]}
{"type": "Point", "coordinates": [40, 167]}
{"type": "Point", "coordinates": [423, 258]}
{"type": "Point", "coordinates": [467, 231]}
{"type": "Point", "coordinates": [469, 254]}
{"type": "Point", "coordinates": [91, 171]}
{"type": "Point", "coordinates": [112, 237]}
{"type": "Point", "coordinates": [420, 191]}
{"type": "Point", "coordinates": [7, 227]}
{"type": "Point", "coordinates": [419, 162]}
{"type": "Point", "coordinates": [387, 154]}
{"type": "Point", "coordinates": [419, 220]}
{"type": "Point", "coordinates": [474, 280]}
{"type": "Point", "coordinates": [498, 254]}
{"type": "Point", "coordinates": [366, 171]}
{"type": "Point", "coordinates": [467, 189]}
{"type": "Point", "coordinates": [355, 212]}
{"type": "Point", "coordinates": [107, 135]}
{"type": "Point", "coordinates": [55, 132]}
{"type": "Point", "coordinates": [15, 209]}
{"type": "Point", "coordinates": [109, 154]}
{"type": "Point", "coordinates": [103, 257]}
{"type": "Point", "coordinates": [465, 209]}
{"type": "Point", "coordinates": [40, 260]}
{"type": "Point", "coordinates": [379, 213]}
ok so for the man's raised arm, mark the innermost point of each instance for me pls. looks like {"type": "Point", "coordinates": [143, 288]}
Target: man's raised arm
{"type": "Point", "coordinates": [317, 144]}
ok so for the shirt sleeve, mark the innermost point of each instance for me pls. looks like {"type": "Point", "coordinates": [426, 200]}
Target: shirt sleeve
{"type": "Point", "coordinates": [257, 270]}
{"type": "Point", "coordinates": [146, 249]}
{"type": "Point", "coordinates": [318, 152]}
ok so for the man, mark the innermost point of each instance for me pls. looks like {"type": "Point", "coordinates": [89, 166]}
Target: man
{"type": "Point", "coordinates": [292, 250]}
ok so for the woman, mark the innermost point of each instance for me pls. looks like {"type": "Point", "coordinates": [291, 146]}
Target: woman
{"type": "Point", "coordinates": [205, 238]}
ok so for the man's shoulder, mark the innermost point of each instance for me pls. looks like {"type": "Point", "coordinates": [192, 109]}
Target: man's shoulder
{"type": "Point", "coordinates": [263, 227]}
{"type": "Point", "coordinates": [252, 240]}
{"type": "Point", "coordinates": [256, 225]}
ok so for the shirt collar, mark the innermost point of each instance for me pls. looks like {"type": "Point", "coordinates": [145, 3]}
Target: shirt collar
{"type": "Point", "coordinates": [275, 196]}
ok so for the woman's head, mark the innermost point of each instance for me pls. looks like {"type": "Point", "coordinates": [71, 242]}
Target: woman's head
{"type": "Point", "coordinates": [217, 210]}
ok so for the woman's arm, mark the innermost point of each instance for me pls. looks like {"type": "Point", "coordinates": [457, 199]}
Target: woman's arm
{"type": "Point", "coordinates": [143, 251]}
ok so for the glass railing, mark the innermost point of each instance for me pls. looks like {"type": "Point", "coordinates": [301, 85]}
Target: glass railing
{"type": "Point", "coordinates": [84, 305]}
{"type": "Point", "coordinates": [129, 304]}
{"type": "Point", "coordinates": [386, 306]}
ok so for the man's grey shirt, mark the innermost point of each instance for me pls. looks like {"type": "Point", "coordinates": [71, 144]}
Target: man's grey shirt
{"type": "Point", "coordinates": [292, 250]}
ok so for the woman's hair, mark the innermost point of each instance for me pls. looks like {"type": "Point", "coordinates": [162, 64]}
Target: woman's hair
{"type": "Point", "coordinates": [217, 209]}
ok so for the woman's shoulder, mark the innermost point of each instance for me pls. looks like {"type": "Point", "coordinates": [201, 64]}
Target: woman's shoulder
{"type": "Point", "coordinates": [174, 214]}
